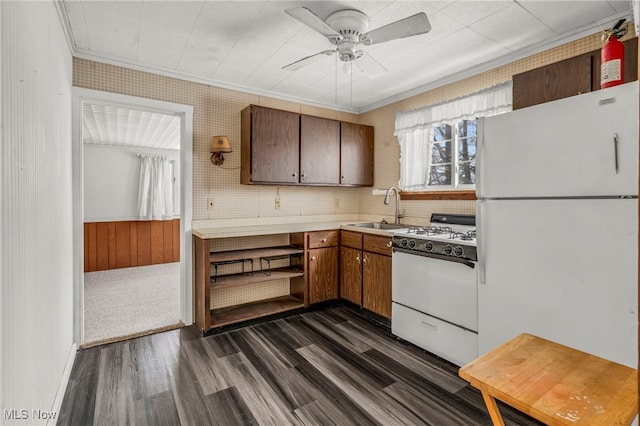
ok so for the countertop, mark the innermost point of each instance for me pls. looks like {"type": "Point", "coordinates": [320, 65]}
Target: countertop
{"type": "Point", "coordinates": [285, 228]}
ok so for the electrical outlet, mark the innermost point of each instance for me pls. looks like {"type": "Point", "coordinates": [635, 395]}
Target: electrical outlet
{"type": "Point", "coordinates": [209, 203]}
{"type": "Point", "coordinates": [277, 203]}
{"type": "Point", "coordinates": [336, 203]}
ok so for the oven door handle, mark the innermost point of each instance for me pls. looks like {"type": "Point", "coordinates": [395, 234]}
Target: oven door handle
{"type": "Point", "coordinates": [465, 262]}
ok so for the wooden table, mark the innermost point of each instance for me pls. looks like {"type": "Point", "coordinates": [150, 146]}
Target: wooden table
{"type": "Point", "coordinates": [554, 384]}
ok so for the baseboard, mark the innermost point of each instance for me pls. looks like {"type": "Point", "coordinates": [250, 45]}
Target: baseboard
{"type": "Point", "coordinates": [62, 388]}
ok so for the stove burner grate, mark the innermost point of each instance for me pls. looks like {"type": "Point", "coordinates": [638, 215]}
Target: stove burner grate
{"type": "Point", "coordinates": [465, 236]}
{"type": "Point", "coordinates": [430, 230]}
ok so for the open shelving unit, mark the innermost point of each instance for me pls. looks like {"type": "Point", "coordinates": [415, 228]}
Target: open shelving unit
{"type": "Point", "coordinates": [258, 265]}
{"type": "Point", "coordinates": [234, 314]}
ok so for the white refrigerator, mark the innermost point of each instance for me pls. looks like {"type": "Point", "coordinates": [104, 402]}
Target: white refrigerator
{"type": "Point", "coordinates": [557, 223]}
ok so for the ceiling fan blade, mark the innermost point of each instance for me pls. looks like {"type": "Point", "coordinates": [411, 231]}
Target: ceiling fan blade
{"type": "Point", "coordinates": [413, 25]}
{"type": "Point", "coordinates": [370, 66]}
{"type": "Point", "coordinates": [308, 60]}
{"type": "Point", "coordinates": [312, 20]}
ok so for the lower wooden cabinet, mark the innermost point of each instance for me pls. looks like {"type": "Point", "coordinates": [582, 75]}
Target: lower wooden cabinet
{"type": "Point", "coordinates": [376, 283]}
{"type": "Point", "coordinates": [365, 271]}
{"type": "Point", "coordinates": [351, 274]}
{"type": "Point", "coordinates": [323, 274]}
{"type": "Point", "coordinates": [321, 265]}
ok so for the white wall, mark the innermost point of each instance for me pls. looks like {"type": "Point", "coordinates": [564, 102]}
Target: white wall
{"type": "Point", "coordinates": [36, 291]}
{"type": "Point", "coordinates": [111, 176]}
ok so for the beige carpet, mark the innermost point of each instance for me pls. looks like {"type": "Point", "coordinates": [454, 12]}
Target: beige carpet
{"type": "Point", "coordinates": [128, 301]}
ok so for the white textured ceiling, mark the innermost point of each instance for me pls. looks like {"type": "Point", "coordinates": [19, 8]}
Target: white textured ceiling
{"type": "Point", "coordinates": [120, 126]}
{"type": "Point", "coordinates": [243, 45]}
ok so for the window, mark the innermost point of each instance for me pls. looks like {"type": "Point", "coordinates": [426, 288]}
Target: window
{"type": "Point", "coordinates": [453, 155]}
{"type": "Point", "coordinates": [438, 143]}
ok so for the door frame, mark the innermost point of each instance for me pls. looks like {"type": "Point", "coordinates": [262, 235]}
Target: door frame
{"type": "Point", "coordinates": [185, 112]}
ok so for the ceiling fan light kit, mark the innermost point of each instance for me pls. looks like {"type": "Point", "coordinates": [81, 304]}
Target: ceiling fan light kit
{"type": "Point", "coordinates": [347, 29]}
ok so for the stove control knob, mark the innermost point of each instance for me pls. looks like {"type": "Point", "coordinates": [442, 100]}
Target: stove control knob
{"type": "Point", "coordinates": [404, 242]}
{"type": "Point", "coordinates": [412, 244]}
{"type": "Point", "coordinates": [447, 249]}
{"type": "Point", "coordinates": [458, 251]}
{"type": "Point", "coordinates": [428, 246]}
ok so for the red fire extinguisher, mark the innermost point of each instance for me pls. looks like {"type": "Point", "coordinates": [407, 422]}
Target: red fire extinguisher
{"type": "Point", "coordinates": [612, 57]}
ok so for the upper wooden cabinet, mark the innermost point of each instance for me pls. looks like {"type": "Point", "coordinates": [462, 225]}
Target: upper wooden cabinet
{"type": "Point", "coordinates": [573, 76]}
{"type": "Point", "coordinates": [319, 150]}
{"type": "Point", "coordinates": [356, 162]}
{"type": "Point", "coordinates": [555, 81]}
{"type": "Point", "coordinates": [270, 146]}
{"type": "Point", "coordinates": [287, 148]}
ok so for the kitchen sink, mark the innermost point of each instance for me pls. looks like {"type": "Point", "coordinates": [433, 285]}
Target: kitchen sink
{"type": "Point", "coordinates": [379, 225]}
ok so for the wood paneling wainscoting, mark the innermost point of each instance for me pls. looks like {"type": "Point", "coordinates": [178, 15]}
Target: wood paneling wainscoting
{"type": "Point", "coordinates": [122, 244]}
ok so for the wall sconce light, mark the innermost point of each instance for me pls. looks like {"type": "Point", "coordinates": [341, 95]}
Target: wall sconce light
{"type": "Point", "coordinates": [219, 144]}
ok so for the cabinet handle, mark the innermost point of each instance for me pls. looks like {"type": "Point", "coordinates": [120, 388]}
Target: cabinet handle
{"type": "Point", "coordinates": [358, 258]}
{"type": "Point", "coordinates": [294, 174]}
{"type": "Point", "coordinates": [313, 258]}
{"type": "Point", "coordinates": [324, 240]}
{"type": "Point", "coordinates": [364, 260]}
{"type": "Point", "coordinates": [389, 244]}
{"type": "Point", "coordinates": [302, 176]}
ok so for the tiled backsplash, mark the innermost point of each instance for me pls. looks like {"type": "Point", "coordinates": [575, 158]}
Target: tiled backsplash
{"type": "Point", "coordinates": [217, 112]}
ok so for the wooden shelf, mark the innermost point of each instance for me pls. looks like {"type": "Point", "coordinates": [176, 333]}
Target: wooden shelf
{"type": "Point", "coordinates": [233, 280]}
{"type": "Point", "coordinates": [259, 265]}
{"type": "Point", "coordinates": [248, 311]}
{"type": "Point", "coordinates": [238, 255]}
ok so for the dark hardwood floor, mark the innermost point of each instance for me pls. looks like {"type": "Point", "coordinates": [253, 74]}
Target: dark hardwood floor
{"type": "Point", "coordinates": [330, 367]}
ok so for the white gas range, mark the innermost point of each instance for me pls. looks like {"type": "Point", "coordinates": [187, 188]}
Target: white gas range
{"type": "Point", "coordinates": [435, 287]}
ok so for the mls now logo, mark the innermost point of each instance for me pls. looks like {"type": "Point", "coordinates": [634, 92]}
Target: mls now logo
{"type": "Point", "coordinates": [23, 414]}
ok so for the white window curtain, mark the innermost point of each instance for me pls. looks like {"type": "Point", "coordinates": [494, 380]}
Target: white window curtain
{"type": "Point", "coordinates": [413, 128]}
{"type": "Point", "coordinates": [155, 193]}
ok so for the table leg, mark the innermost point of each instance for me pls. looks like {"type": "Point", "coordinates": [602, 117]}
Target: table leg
{"type": "Point", "coordinates": [492, 407]}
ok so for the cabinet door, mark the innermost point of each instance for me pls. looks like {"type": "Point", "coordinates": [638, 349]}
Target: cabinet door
{"type": "Point", "coordinates": [555, 81]}
{"type": "Point", "coordinates": [275, 145]}
{"type": "Point", "coordinates": [351, 275]}
{"type": "Point", "coordinates": [580, 74]}
{"type": "Point", "coordinates": [356, 162]}
{"type": "Point", "coordinates": [319, 150]}
{"type": "Point", "coordinates": [376, 283]}
{"type": "Point", "coordinates": [323, 274]}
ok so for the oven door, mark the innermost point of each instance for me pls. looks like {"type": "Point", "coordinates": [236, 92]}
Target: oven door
{"type": "Point", "coordinates": [444, 289]}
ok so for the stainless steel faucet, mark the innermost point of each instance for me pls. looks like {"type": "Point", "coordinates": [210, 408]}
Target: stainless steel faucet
{"type": "Point", "coordinates": [386, 201]}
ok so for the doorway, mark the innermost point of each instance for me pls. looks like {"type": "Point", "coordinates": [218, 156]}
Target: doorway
{"type": "Point", "coordinates": [132, 277]}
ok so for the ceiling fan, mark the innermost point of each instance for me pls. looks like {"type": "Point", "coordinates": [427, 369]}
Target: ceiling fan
{"type": "Point", "coordinates": [347, 30]}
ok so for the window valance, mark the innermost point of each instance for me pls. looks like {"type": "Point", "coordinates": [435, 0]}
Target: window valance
{"type": "Point", "coordinates": [454, 166]}
{"type": "Point", "coordinates": [491, 101]}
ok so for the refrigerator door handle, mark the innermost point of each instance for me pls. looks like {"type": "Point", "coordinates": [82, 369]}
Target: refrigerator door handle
{"type": "Point", "coordinates": [615, 150]}
{"type": "Point", "coordinates": [479, 146]}
{"type": "Point", "coordinates": [482, 279]}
